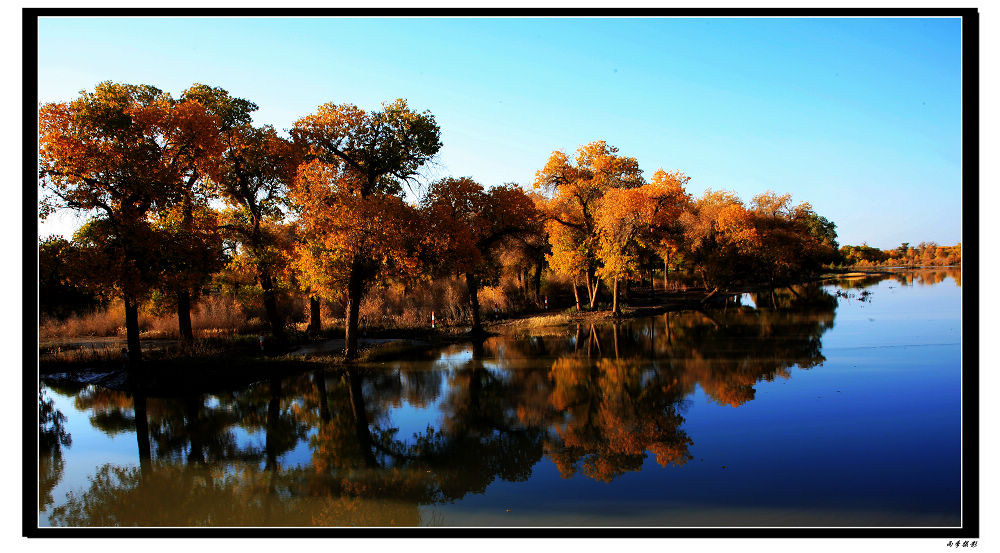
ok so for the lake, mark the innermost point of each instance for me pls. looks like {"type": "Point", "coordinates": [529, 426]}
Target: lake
{"type": "Point", "coordinates": [836, 404]}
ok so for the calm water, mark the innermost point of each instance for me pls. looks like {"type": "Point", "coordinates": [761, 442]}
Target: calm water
{"type": "Point", "coordinates": [826, 405]}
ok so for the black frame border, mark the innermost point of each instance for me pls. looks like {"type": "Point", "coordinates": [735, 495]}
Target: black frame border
{"type": "Point", "coordinates": [970, 291]}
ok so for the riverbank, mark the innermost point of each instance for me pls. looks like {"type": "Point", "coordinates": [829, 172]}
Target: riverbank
{"type": "Point", "coordinates": [170, 364]}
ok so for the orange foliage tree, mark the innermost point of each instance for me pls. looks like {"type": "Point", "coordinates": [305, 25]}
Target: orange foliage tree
{"type": "Point", "coordinates": [339, 229]}
{"type": "Point", "coordinates": [718, 236]}
{"type": "Point", "coordinates": [122, 152]}
{"type": "Point", "coordinates": [630, 220]}
{"type": "Point", "coordinates": [377, 153]}
{"type": "Point", "coordinates": [466, 224]}
{"type": "Point", "coordinates": [576, 190]}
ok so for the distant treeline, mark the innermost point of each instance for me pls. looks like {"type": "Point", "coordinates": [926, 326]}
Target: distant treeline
{"type": "Point", "coordinates": [925, 254]}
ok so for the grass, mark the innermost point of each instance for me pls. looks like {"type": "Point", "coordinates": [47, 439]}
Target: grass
{"type": "Point", "coordinates": [214, 316]}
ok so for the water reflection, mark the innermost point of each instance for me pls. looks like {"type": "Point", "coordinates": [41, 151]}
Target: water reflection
{"type": "Point", "coordinates": [926, 277]}
{"type": "Point", "coordinates": [52, 437]}
{"type": "Point", "coordinates": [326, 447]}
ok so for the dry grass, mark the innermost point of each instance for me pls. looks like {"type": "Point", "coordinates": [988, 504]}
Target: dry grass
{"type": "Point", "coordinates": [395, 306]}
{"type": "Point", "coordinates": [105, 322]}
{"type": "Point", "coordinates": [214, 316]}
{"type": "Point", "coordinates": [392, 306]}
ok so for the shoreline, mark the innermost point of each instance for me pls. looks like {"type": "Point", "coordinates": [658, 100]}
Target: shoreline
{"type": "Point", "coordinates": [239, 363]}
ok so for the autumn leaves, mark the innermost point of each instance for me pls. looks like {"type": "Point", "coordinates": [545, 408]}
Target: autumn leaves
{"type": "Point", "coordinates": [179, 188]}
{"type": "Point", "coordinates": [606, 223]}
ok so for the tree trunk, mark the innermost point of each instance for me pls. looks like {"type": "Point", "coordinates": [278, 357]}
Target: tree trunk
{"type": "Point", "coordinates": [536, 281]}
{"type": "Point", "coordinates": [473, 285]}
{"type": "Point", "coordinates": [315, 323]}
{"type": "Point", "coordinates": [132, 332]}
{"type": "Point", "coordinates": [652, 289]}
{"type": "Point", "coordinates": [271, 306]}
{"type": "Point", "coordinates": [592, 284]}
{"type": "Point", "coordinates": [593, 294]}
{"type": "Point", "coordinates": [354, 290]}
{"type": "Point", "coordinates": [614, 298]}
{"type": "Point", "coordinates": [184, 295]}
{"type": "Point", "coordinates": [184, 315]}
{"type": "Point", "coordinates": [666, 272]}
{"type": "Point", "coordinates": [576, 294]}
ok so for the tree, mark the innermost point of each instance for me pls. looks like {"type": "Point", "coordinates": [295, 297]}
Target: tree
{"type": "Point", "coordinates": [792, 240]}
{"type": "Point", "coordinates": [60, 286]}
{"type": "Point", "coordinates": [250, 176]}
{"type": "Point", "coordinates": [340, 230]}
{"type": "Point", "coordinates": [193, 247]}
{"type": "Point", "coordinates": [191, 253]}
{"type": "Point", "coordinates": [466, 224]}
{"type": "Point", "coordinates": [377, 153]}
{"type": "Point", "coordinates": [630, 220]}
{"type": "Point", "coordinates": [718, 236]}
{"type": "Point", "coordinates": [575, 191]}
{"type": "Point", "coordinates": [665, 234]}
{"type": "Point", "coordinates": [120, 151]}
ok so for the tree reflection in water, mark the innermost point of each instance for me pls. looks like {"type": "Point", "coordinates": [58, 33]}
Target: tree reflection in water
{"type": "Point", "coordinates": [52, 437]}
{"type": "Point", "coordinates": [596, 400]}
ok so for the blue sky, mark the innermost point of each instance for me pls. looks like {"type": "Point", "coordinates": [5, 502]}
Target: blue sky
{"type": "Point", "coordinates": [859, 117]}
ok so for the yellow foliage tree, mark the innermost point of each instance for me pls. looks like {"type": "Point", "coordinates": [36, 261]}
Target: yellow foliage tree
{"type": "Point", "coordinates": [576, 190]}
{"type": "Point", "coordinates": [629, 220]}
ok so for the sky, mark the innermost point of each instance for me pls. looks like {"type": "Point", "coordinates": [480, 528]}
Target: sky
{"type": "Point", "coordinates": [860, 117]}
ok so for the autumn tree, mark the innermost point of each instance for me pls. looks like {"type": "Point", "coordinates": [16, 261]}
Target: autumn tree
{"type": "Point", "coordinates": [793, 240]}
{"type": "Point", "coordinates": [339, 229]}
{"type": "Point", "coordinates": [719, 235]}
{"type": "Point", "coordinates": [120, 152]}
{"type": "Point", "coordinates": [466, 225]}
{"type": "Point", "coordinates": [861, 255]}
{"type": "Point", "coordinates": [191, 252]}
{"type": "Point", "coordinates": [529, 249]}
{"type": "Point", "coordinates": [251, 177]}
{"type": "Point", "coordinates": [190, 227]}
{"type": "Point", "coordinates": [576, 190]}
{"type": "Point", "coordinates": [665, 235]}
{"type": "Point", "coordinates": [630, 220]}
{"type": "Point", "coordinates": [377, 153]}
